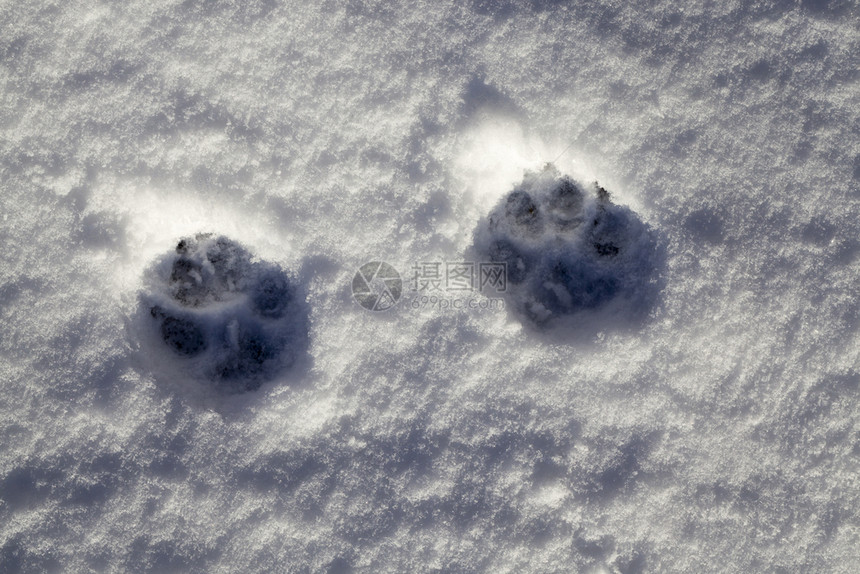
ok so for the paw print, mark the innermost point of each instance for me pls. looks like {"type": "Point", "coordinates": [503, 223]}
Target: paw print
{"type": "Point", "coordinates": [236, 321]}
{"type": "Point", "coordinates": [566, 246]}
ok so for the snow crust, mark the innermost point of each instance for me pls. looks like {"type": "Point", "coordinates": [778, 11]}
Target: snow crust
{"type": "Point", "coordinates": [718, 434]}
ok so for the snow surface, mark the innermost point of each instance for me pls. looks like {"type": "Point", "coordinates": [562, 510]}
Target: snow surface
{"type": "Point", "coordinates": [720, 435]}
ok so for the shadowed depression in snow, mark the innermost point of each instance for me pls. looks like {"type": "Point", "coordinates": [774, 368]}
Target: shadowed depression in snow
{"type": "Point", "coordinates": [568, 248]}
{"type": "Point", "coordinates": [236, 321]}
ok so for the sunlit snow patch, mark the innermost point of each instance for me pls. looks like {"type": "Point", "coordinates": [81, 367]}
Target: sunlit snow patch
{"type": "Point", "coordinates": [493, 152]}
{"type": "Point", "coordinates": [232, 320]}
{"type": "Point", "coordinates": [568, 249]}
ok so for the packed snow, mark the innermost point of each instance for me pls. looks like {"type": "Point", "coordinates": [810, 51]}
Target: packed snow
{"type": "Point", "coordinates": [717, 431]}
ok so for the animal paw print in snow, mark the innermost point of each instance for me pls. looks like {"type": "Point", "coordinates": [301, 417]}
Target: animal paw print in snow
{"type": "Point", "coordinates": [566, 247]}
{"type": "Point", "coordinates": [236, 320]}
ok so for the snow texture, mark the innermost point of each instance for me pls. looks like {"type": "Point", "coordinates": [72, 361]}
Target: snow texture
{"type": "Point", "coordinates": [718, 433]}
